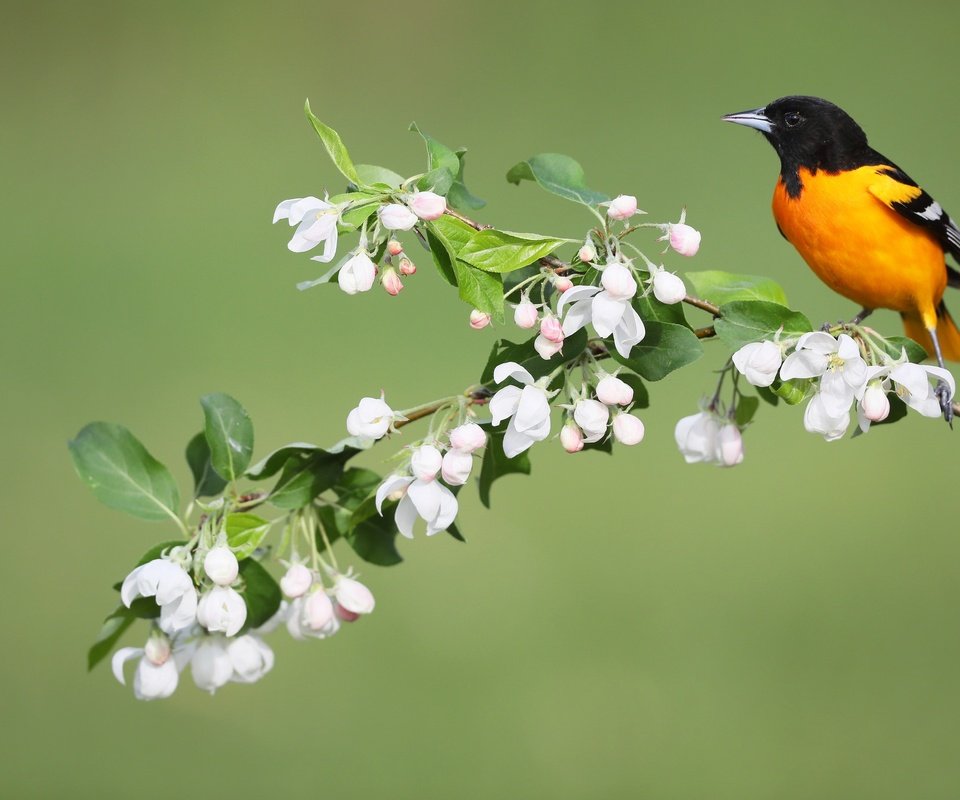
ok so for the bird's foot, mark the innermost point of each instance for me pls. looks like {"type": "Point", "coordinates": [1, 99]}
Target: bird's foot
{"type": "Point", "coordinates": [864, 313]}
{"type": "Point", "coordinates": [942, 392]}
{"type": "Point", "coordinates": [828, 326]}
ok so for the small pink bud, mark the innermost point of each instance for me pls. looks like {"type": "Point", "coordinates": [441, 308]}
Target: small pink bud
{"type": "Point", "coordinates": [296, 581]}
{"type": "Point", "coordinates": [587, 254]}
{"type": "Point", "coordinates": [478, 319]}
{"type": "Point", "coordinates": [628, 429]}
{"type": "Point", "coordinates": [467, 437]}
{"type": "Point", "coordinates": [343, 615]}
{"type": "Point", "coordinates": [571, 437]}
{"type": "Point", "coordinates": [684, 239]}
{"type": "Point", "coordinates": [875, 403]}
{"type": "Point", "coordinates": [668, 288]}
{"type": "Point", "coordinates": [618, 281]}
{"type": "Point", "coordinates": [407, 267]}
{"type": "Point", "coordinates": [425, 462]}
{"type": "Point", "coordinates": [731, 445]}
{"type": "Point", "coordinates": [157, 649]}
{"type": "Point", "coordinates": [614, 392]}
{"type": "Point", "coordinates": [525, 314]}
{"type": "Point", "coordinates": [391, 282]}
{"type": "Point", "coordinates": [428, 205]}
{"type": "Point", "coordinates": [394, 247]}
{"type": "Point", "coordinates": [562, 283]}
{"type": "Point", "coordinates": [546, 348]}
{"type": "Point", "coordinates": [318, 610]}
{"type": "Point", "coordinates": [352, 595]}
{"type": "Point", "coordinates": [622, 207]}
{"type": "Point", "coordinates": [456, 467]}
{"type": "Point", "coordinates": [551, 329]}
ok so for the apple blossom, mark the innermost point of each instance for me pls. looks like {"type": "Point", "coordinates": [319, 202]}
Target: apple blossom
{"type": "Point", "coordinates": [152, 680]}
{"type": "Point", "coordinates": [221, 565]}
{"type": "Point", "coordinates": [551, 329]}
{"type": "Point", "coordinates": [394, 247]}
{"type": "Point", "coordinates": [683, 239]}
{"type": "Point", "coordinates": [838, 364]}
{"type": "Point", "coordinates": [430, 500]}
{"type": "Point", "coordinates": [299, 616]}
{"type": "Point", "coordinates": [467, 437]}
{"type": "Point", "coordinates": [479, 319]}
{"type": "Point", "coordinates": [730, 444]}
{"type": "Point", "coordinates": [250, 657]}
{"type": "Point", "coordinates": [698, 436]}
{"type": "Point", "coordinates": [874, 404]}
{"type": "Point", "coordinates": [610, 313]}
{"type": "Point", "coordinates": [562, 283]}
{"type": "Point", "coordinates": [371, 419]}
{"type": "Point", "coordinates": [525, 314]}
{"type": "Point", "coordinates": [296, 580]}
{"type": "Point", "coordinates": [317, 221]}
{"type": "Point", "coordinates": [358, 274]}
{"type": "Point", "coordinates": [547, 348]}
{"type": "Point", "coordinates": [428, 205]}
{"type": "Point", "coordinates": [456, 467]}
{"type": "Point", "coordinates": [391, 282]}
{"type": "Point", "coordinates": [817, 418]}
{"type": "Point", "coordinates": [317, 609]}
{"type": "Point", "coordinates": [667, 287]}
{"type": "Point", "coordinates": [618, 281]}
{"type": "Point", "coordinates": [211, 665]}
{"type": "Point", "coordinates": [352, 595]}
{"type": "Point", "coordinates": [912, 384]}
{"type": "Point", "coordinates": [613, 391]}
{"type": "Point", "coordinates": [759, 362]}
{"type": "Point", "coordinates": [592, 416]}
{"type": "Point", "coordinates": [627, 429]}
{"type": "Point", "coordinates": [528, 409]}
{"type": "Point", "coordinates": [622, 207]}
{"type": "Point", "coordinates": [222, 609]}
{"type": "Point", "coordinates": [172, 587]}
{"type": "Point", "coordinates": [396, 217]}
{"type": "Point", "coordinates": [425, 463]}
{"type": "Point", "coordinates": [407, 267]}
{"type": "Point", "coordinates": [587, 253]}
{"type": "Point", "coordinates": [571, 437]}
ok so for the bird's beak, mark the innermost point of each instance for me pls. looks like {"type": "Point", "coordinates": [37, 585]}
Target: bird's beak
{"type": "Point", "coordinates": [752, 119]}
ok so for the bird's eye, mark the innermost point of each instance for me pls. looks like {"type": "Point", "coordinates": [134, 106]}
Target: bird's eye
{"type": "Point", "coordinates": [792, 119]}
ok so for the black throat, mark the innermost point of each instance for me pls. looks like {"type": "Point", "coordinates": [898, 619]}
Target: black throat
{"type": "Point", "coordinates": [830, 155]}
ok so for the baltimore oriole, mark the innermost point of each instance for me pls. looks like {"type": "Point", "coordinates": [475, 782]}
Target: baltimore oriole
{"type": "Point", "coordinates": [859, 221]}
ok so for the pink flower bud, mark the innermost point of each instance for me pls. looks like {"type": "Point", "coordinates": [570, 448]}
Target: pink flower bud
{"type": "Point", "coordinates": [221, 566]}
{"type": "Point", "coordinates": [318, 610]}
{"type": "Point", "coordinates": [296, 581]}
{"type": "Point", "coordinates": [668, 288]}
{"type": "Point", "coordinates": [428, 205]}
{"type": "Point", "coordinates": [525, 314]}
{"type": "Point", "coordinates": [396, 217]}
{"type": "Point", "coordinates": [614, 392]}
{"type": "Point", "coordinates": [546, 348]}
{"type": "Point", "coordinates": [587, 253]}
{"type": "Point", "coordinates": [684, 239]}
{"type": "Point", "coordinates": [394, 247]}
{"type": "Point", "coordinates": [875, 403]}
{"type": "Point", "coordinates": [551, 329]}
{"type": "Point", "coordinates": [407, 267]}
{"type": "Point", "coordinates": [157, 649]}
{"type": "Point", "coordinates": [562, 283]}
{"type": "Point", "coordinates": [343, 615]}
{"type": "Point", "coordinates": [731, 445]}
{"type": "Point", "coordinates": [571, 437]}
{"type": "Point", "coordinates": [618, 281]}
{"type": "Point", "coordinates": [622, 207]}
{"type": "Point", "coordinates": [478, 319]}
{"type": "Point", "coordinates": [391, 282]}
{"type": "Point", "coordinates": [456, 467]}
{"type": "Point", "coordinates": [467, 437]}
{"type": "Point", "coordinates": [353, 595]}
{"type": "Point", "coordinates": [628, 429]}
{"type": "Point", "coordinates": [425, 462]}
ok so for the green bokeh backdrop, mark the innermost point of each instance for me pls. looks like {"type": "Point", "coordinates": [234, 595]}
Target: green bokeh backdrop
{"type": "Point", "coordinates": [615, 627]}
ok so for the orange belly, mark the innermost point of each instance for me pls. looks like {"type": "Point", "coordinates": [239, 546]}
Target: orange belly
{"type": "Point", "coordinates": [859, 246]}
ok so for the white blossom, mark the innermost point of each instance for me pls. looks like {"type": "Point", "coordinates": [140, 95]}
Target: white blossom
{"type": "Point", "coordinates": [667, 287]}
{"type": "Point", "coordinates": [467, 437]}
{"type": "Point", "coordinates": [838, 364]}
{"type": "Point", "coordinates": [371, 419]}
{"type": "Point", "coordinates": [431, 501]}
{"type": "Point", "coordinates": [317, 222]}
{"type": "Point", "coordinates": [250, 657]}
{"type": "Point", "coordinates": [156, 675]}
{"type": "Point", "coordinates": [817, 418]}
{"type": "Point", "coordinates": [211, 665]}
{"type": "Point", "coordinates": [428, 205]}
{"type": "Point", "coordinates": [592, 416]}
{"type": "Point", "coordinates": [759, 362]}
{"type": "Point", "coordinates": [528, 409]}
{"type": "Point", "coordinates": [296, 580]}
{"type": "Point", "coordinates": [353, 595]}
{"type": "Point", "coordinates": [221, 565]}
{"type": "Point", "coordinates": [698, 437]}
{"type": "Point", "coordinates": [608, 309]}
{"type": "Point", "coordinates": [730, 445]}
{"type": "Point", "coordinates": [222, 609]}
{"type": "Point", "coordinates": [301, 615]}
{"type": "Point", "coordinates": [172, 588]}
{"type": "Point", "coordinates": [913, 385]}
{"type": "Point", "coordinates": [456, 467]}
{"type": "Point", "coordinates": [547, 348]}
{"type": "Point", "coordinates": [396, 217]}
{"type": "Point", "coordinates": [627, 429]}
{"type": "Point", "coordinates": [358, 274]}
{"type": "Point", "coordinates": [425, 462]}
{"type": "Point", "coordinates": [613, 391]}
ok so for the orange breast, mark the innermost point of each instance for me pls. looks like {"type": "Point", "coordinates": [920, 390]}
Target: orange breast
{"type": "Point", "coordinates": [858, 245]}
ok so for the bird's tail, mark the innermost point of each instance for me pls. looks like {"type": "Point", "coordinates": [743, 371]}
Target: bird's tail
{"type": "Point", "coordinates": [947, 333]}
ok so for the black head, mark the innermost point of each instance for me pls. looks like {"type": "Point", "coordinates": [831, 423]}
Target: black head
{"type": "Point", "coordinates": [809, 132]}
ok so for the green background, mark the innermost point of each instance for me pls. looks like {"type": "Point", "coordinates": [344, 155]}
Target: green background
{"type": "Point", "coordinates": [615, 627]}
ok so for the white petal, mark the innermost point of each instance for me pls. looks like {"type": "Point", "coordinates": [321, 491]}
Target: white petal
{"type": "Point", "coordinates": [406, 516]}
{"type": "Point", "coordinates": [574, 295]}
{"type": "Point", "coordinates": [855, 372]}
{"type": "Point", "coordinates": [426, 498]}
{"type": "Point", "coordinates": [629, 332]}
{"type": "Point", "coordinates": [847, 348]}
{"type": "Point", "coordinates": [515, 442]}
{"type": "Point", "coordinates": [504, 403]}
{"type": "Point", "coordinates": [121, 657]}
{"type": "Point", "coordinates": [329, 248]}
{"type": "Point", "coordinates": [532, 409]}
{"type": "Point", "coordinates": [283, 209]}
{"type": "Point", "coordinates": [446, 514]}
{"type": "Point", "coordinates": [607, 312]}
{"type": "Point", "coordinates": [388, 487]}
{"type": "Point", "coordinates": [818, 341]}
{"type": "Point", "coordinates": [803, 364]}
{"type": "Point", "coordinates": [578, 316]}
{"type": "Point", "coordinates": [511, 369]}
{"type": "Point", "coordinates": [303, 206]}
{"type": "Point", "coordinates": [836, 395]}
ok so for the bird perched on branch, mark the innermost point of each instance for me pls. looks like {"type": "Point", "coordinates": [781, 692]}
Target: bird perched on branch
{"type": "Point", "coordinates": [860, 222]}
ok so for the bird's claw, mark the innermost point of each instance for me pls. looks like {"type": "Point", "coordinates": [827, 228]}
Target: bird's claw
{"type": "Point", "coordinates": [942, 392]}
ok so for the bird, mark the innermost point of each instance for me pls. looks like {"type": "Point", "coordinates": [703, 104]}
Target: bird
{"type": "Point", "coordinates": [864, 226]}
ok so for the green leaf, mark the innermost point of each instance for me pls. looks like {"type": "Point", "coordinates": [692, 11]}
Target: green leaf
{"type": "Point", "coordinates": [437, 181]}
{"type": "Point", "coordinates": [482, 290]}
{"type": "Point", "coordinates": [726, 287]}
{"type": "Point", "coordinates": [895, 345]}
{"type": "Point", "coordinates": [260, 592]}
{"type": "Point", "coordinates": [335, 147]}
{"type": "Point", "coordinates": [355, 485]}
{"type": "Point", "coordinates": [122, 474]}
{"type": "Point", "coordinates": [500, 251]}
{"type": "Point", "coordinates": [746, 408]}
{"type": "Point", "coordinates": [527, 357]}
{"type": "Point", "coordinates": [767, 394]}
{"type": "Point", "coordinates": [441, 159]}
{"type": "Point", "coordinates": [443, 252]}
{"type": "Point", "coordinates": [459, 195]}
{"type": "Point", "coordinates": [275, 461]}
{"type": "Point", "coordinates": [665, 347]}
{"type": "Point", "coordinates": [496, 464]}
{"type": "Point", "coordinates": [558, 174]}
{"type": "Point", "coordinates": [378, 177]}
{"type": "Point", "coordinates": [745, 321]}
{"type": "Point", "coordinates": [454, 232]}
{"type": "Point", "coordinates": [229, 433]}
{"type": "Point", "coordinates": [373, 537]}
{"type": "Point", "coordinates": [652, 310]}
{"type": "Point", "coordinates": [206, 482]}
{"type": "Point", "coordinates": [113, 628]}
{"type": "Point", "coordinates": [305, 477]}
{"type": "Point", "coordinates": [244, 533]}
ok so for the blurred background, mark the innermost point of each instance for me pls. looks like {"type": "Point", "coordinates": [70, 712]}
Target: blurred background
{"type": "Point", "coordinates": [615, 627]}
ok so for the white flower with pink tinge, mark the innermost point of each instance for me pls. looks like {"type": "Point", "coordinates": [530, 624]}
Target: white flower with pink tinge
{"type": "Point", "coordinates": [528, 409]}
{"type": "Point", "coordinates": [423, 495]}
{"type": "Point", "coordinates": [606, 307]}
{"type": "Point", "coordinates": [317, 222]}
